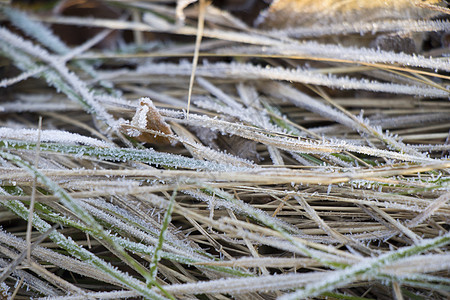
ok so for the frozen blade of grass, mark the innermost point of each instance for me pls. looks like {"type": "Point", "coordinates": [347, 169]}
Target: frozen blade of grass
{"type": "Point", "coordinates": [220, 157]}
{"type": "Point", "coordinates": [54, 136]}
{"type": "Point", "coordinates": [420, 263]}
{"type": "Point", "coordinates": [275, 240]}
{"type": "Point", "coordinates": [193, 178]}
{"type": "Point", "coordinates": [250, 71]}
{"type": "Point", "coordinates": [173, 248]}
{"type": "Point", "coordinates": [368, 268]}
{"type": "Point", "coordinates": [275, 156]}
{"type": "Point", "coordinates": [229, 101]}
{"type": "Point", "coordinates": [97, 295]}
{"type": "Point", "coordinates": [268, 261]}
{"type": "Point", "coordinates": [25, 75]}
{"type": "Point", "coordinates": [303, 100]}
{"type": "Point", "coordinates": [125, 154]}
{"type": "Point", "coordinates": [287, 142]}
{"type": "Point", "coordinates": [436, 283]}
{"type": "Point", "coordinates": [314, 50]}
{"type": "Point", "coordinates": [25, 62]}
{"type": "Point", "coordinates": [255, 111]}
{"type": "Point", "coordinates": [363, 27]}
{"type": "Point", "coordinates": [241, 113]}
{"type": "Point", "coordinates": [288, 127]}
{"type": "Point", "coordinates": [399, 226]}
{"type": "Point", "coordinates": [240, 207]}
{"type": "Point", "coordinates": [239, 286]}
{"type": "Point", "coordinates": [270, 283]}
{"type": "Point", "coordinates": [71, 204]}
{"type": "Point", "coordinates": [36, 30]}
{"type": "Point", "coordinates": [130, 223]}
{"type": "Point", "coordinates": [266, 283]}
{"type": "Point", "coordinates": [166, 221]}
{"type": "Point", "coordinates": [197, 150]}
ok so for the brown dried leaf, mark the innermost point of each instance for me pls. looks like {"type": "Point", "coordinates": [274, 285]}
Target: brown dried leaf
{"type": "Point", "coordinates": [289, 13]}
{"type": "Point", "coordinates": [148, 117]}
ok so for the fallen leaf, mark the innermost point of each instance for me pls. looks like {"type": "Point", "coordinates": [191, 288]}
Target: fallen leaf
{"type": "Point", "coordinates": [147, 117]}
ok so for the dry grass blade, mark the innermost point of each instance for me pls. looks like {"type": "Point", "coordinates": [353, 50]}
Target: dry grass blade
{"type": "Point", "coordinates": [201, 24]}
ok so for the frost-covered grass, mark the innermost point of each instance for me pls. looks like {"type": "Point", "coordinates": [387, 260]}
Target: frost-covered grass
{"type": "Point", "coordinates": [312, 164]}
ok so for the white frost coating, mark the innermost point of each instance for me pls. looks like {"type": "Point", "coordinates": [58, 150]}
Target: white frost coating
{"type": "Point", "coordinates": [366, 55]}
{"type": "Point", "coordinates": [249, 71]}
{"type": "Point", "coordinates": [142, 116]}
{"type": "Point", "coordinates": [364, 27]}
{"type": "Point", "coordinates": [53, 136]}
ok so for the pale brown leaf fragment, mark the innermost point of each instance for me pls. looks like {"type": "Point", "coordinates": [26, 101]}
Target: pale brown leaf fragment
{"type": "Point", "coordinates": [147, 117]}
{"type": "Point", "coordinates": [289, 13]}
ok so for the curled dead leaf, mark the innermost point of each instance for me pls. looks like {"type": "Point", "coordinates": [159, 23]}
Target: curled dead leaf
{"type": "Point", "coordinates": [147, 117]}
